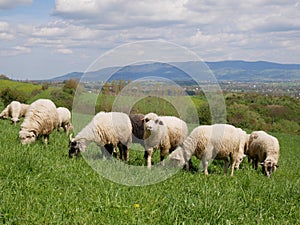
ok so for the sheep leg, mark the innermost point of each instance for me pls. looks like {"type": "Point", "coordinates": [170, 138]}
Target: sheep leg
{"type": "Point", "coordinates": [124, 152]}
{"type": "Point", "coordinates": [149, 157]}
{"type": "Point", "coordinates": [205, 165]}
{"type": "Point", "coordinates": [232, 167]}
{"type": "Point", "coordinates": [255, 163]}
{"type": "Point", "coordinates": [226, 164]}
{"type": "Point", "coordinates": [163, 153]}
{"type": "Point", "coordinates": [46, 139]}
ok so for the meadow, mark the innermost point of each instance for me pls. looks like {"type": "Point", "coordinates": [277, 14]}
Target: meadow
{"type": "Point", "coordinates": [40, 185]}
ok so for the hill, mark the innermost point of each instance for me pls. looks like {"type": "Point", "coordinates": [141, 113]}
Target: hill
{"type": "Point", "coordinates": [259, 71]}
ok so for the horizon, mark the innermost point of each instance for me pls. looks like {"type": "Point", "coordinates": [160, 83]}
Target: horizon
{"type": "Point", "coordinates": [44, 39]}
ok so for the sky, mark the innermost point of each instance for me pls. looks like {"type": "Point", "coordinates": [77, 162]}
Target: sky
{"type": "Point", "coordinates": [42, 39]}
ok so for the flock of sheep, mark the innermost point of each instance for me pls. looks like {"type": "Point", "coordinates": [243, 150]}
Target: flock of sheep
{"type": "Point", "coordinates": [169, 134]}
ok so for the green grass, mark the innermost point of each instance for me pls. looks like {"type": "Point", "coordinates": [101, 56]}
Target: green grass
{"type": "Point", "coordinates": [41, 185]}
{"type": "Point", "coordinates": [20, 86]}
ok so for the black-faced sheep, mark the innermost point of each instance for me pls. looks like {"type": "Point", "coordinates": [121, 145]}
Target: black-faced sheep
{"type": "Point", "coordinates": [264, 149]}
{"type": "Point", "coordinates": [164, 133]}
{"type": "Point", "coordinates": [64, 116]}
{"type": "Point", "coordinates": [41, 119]}
{"type": "Point", "coordinates": [219, 141]}
{"type": "Point", "coordinates": [109, 130]}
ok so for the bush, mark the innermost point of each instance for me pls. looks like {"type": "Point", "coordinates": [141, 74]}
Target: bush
{"type": "Point", "coordinates": [62, 99]}
{"type": "Point", "coordinates": [70, 86]}
{"type": "Point", "coordinates": [8, 95]}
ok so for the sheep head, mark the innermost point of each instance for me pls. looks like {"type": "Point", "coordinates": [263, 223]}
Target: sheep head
{"type": "Point", "coordinates": [27, 137]}
{"type": "Point", "coordinates": [152, 121]}
{"type": "Point", "coordinates": [269, 167]}
{"type": "Point", "coordinates": [75, 147]}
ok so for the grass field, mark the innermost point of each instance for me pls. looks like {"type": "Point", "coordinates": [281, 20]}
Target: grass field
{"type": "Point", "coordinates": [41, 185]}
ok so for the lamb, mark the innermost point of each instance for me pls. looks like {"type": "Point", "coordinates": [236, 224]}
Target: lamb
{"type": "Point", "coordinates": [164, 133]}
{"type": "Point", "coordinates": [41, 119]}
{"type": "Point", "coordinates": [107, 130]}
{"type": "Point", "coordinates": [219, 141]}
{"type": "Point", "coordinates": [264, 149]}
{"type": "Point", "coordinates": [64, 116]}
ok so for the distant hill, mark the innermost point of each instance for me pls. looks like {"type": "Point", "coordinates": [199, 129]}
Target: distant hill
{"type": "Point", "coordinates": [259, 71]}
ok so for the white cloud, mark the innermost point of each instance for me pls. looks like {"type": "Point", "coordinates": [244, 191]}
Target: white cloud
{"type": "Point", "coordinates": [13, 51]}
{"type": "Point", "coordinates": [122, 13]}
{"type": "Point", "coordinates": [8, 4]}
{"type": "Point", "coordinates": [6, 33]}
{"type": "Point", "coordinates": [64, 51]}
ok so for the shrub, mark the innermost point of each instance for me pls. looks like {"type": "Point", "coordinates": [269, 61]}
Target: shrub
{"type": "Point", "coordinates": [8, 95]}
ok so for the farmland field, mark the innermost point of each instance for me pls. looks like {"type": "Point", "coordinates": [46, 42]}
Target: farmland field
{"type": "Point", "coordinates": [41, 185]}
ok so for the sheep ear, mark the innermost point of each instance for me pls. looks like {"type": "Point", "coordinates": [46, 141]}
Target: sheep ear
{"type": "Point", "coordinates": [71, 137]}
{"type": "Point", "coordinates": [143, 118]}
{"type": "Point", "coordinates": [161, 122]}
{"type": "Point", "coordinates": [276, 166]}
{"type": "Point", "coordinates": [81, 147]}
{"type": "Point", "coordinates": [262, 163]}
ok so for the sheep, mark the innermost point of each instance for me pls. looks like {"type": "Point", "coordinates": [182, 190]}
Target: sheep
{"type": "Point", "coordinates": [15, 110]}
{"type": "Point", "coordinates": [219, 141]}
{"type": "Point", "coordinates": [64, 116]}
{"type": "Point", "coordinates": [108, 130]}
{"type": "Point", "coordinates": [41, 119]}
{"type": "Point", "coordinates": [264, 149]}
{"type": "Point", "coordinates": [164, 133]}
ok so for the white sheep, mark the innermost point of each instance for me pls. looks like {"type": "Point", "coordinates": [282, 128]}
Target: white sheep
{"type": "Point", "coordinates": [164, 133]}
{"type": "Point", "coordinates": [207, 142]}
{"type": "Point", "coordinates": [264, 149]}
{"type": "Point", "coordinates": [15, 110]}
{"type": "Point", "coordinates": [107, 129]}
{"type": "Point", "coordinates": [64, 116]}
{"type": "Point", "coordinates": [41, 119]}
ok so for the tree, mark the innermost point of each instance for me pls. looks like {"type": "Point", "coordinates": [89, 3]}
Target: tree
{"type": "Point", "coordinates": [70, 86]}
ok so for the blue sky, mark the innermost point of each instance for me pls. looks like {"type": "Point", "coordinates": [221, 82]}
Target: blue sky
{"type": "Point", "coordinates": [44, 39]}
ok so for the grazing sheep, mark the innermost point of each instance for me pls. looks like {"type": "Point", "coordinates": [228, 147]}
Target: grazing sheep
{"type": "Point", "coordinates": [264, 149]}
{"type": "Point", "coordinates": [5, 113]}
{"type": "Point", "coordinates": [164, 133]}
{"type": "Point", "coordinates": [107, 130]}
{"type": "Point", "coordinates": [64, 116]}
{"type": "Point", "coordinates": [15, 110]}
{"type": "Point", "coordinates": [218, 141]}
{"type": "Point", "coordinates": [41, 119]}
